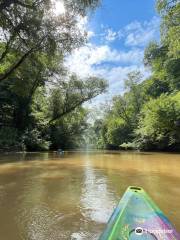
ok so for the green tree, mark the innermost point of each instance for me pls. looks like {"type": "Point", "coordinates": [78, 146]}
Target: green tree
{"type": "Point", "coordinates": [159, 125]}
{"type": "Point", "coordinates": [169, 11]}
{"type": "Point", "coordinates": [147, 115]}
{"type": "Point", "coordinates": [164, 58]}
{"type": "Point", "coordinates": [30, 26]}
{"type": "Point", "coordinates": [32, 76]}
{"type": "Point", "coordinates": [72, 93]}
{"type": "Point", "coordinates": [154, 87]}
{"type": "Point", "coordinates": [120, 120]}
{"type": "Point", "coordinates": [67, 132]}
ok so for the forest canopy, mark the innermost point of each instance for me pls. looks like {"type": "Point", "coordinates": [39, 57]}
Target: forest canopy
{"type": "Point", "coordinates": [147, 115]}
{"type": "Point", "coordinates": [37, 93]}
{"type": "Point", "coordinates": [42, 102]}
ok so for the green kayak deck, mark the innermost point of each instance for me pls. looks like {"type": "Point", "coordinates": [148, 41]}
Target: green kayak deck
{"type": "Point", "coordinates": [138, 218]}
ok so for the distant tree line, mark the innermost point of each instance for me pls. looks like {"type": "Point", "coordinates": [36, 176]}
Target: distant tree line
{"type": "Point", "coordinates": [40, 100]}
{"type": "Point", "coordinates": [147, 115]}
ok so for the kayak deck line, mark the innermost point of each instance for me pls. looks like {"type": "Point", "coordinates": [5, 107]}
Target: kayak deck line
{"type": "Point", "coordinates": [137, 217]}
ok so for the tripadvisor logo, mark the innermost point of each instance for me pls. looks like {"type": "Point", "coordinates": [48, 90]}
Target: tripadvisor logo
{"type": "Point", "coordinates": [139, 231]}
{"type": "Point", "coordinates": [153, 232]}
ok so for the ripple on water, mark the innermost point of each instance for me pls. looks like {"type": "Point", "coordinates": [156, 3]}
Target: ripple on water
{"type": "Point", "coordinates": [39, 223]}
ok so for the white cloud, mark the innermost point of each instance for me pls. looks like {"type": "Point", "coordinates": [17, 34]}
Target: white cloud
{"type": "Point", "coordinates": [83, 60]}
{"type": "Point", "coordinates": [140, 34]}
{"type": "Point", "coordinates": [136, 33]}
{"type": "Point", "coordinates": [117, 74]}
{"type": "Point", "coordinates": [90, 34]}
{"type": "Point", "coordinates": [110, 35]}
{"type": "Point", "coordinates": [115, 77]}
{"type": "Point", "coordinates": [82, 24]}
{"type": "Point", "coordinates": [88, 61]}
{"type": "Point", "coordinates": [110, 63]}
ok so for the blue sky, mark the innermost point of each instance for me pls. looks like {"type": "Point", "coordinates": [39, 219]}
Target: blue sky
{"type": "Point", "coordinates": [118, 32]}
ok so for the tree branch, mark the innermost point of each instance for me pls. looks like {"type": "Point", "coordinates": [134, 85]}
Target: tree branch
{"type": "Point", "coordinates": [3, 55]}
{"type": "Point", "coordinates": [73, 107]}
{"type": "Point", "coordinates": [21, 60]}
{"type": "Point", "coordinates": [16, 65]}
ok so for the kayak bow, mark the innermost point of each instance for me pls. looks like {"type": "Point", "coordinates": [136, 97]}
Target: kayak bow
{"type": "Point", "coordinates": [138, 218]}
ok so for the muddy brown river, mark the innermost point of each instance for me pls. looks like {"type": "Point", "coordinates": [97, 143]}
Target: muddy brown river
{"type": "Point", "coordinates": [46, 196]}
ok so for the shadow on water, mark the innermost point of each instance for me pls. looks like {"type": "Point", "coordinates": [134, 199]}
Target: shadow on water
{"type": "Point", "coordinates": [29, 156]}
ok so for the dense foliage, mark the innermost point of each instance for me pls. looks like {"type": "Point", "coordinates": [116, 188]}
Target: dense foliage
{"type": "Point", "coordinates": [40, 101]}
{"type": "Point", "coordinates": [147, 116]}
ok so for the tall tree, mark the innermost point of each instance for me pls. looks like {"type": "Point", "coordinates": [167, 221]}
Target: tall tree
{"type": "Point", "coordinates": [34, 41]}
{"type": "Point", "coordinates": [164, 58]}
{"type": "Point", "coordinates": [30, 26]}
{"type": "Point", "coordinates": [70, 94]}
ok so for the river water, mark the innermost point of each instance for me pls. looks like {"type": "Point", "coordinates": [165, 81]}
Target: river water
{"type": "Point", "coordinates": [46, 196]}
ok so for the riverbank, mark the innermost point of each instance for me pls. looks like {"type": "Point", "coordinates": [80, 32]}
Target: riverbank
{"type": "Point", "coordinates": [6, 151]}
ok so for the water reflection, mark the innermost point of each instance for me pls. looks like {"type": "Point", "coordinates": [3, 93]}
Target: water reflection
{"type": "Point", "coordinates": [97, 201]}
{"type": "Point", "coordinates": [45, 196]}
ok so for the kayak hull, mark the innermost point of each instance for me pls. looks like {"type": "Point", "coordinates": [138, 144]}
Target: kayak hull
{"type": "Point", "coordinates": [137, 217]}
